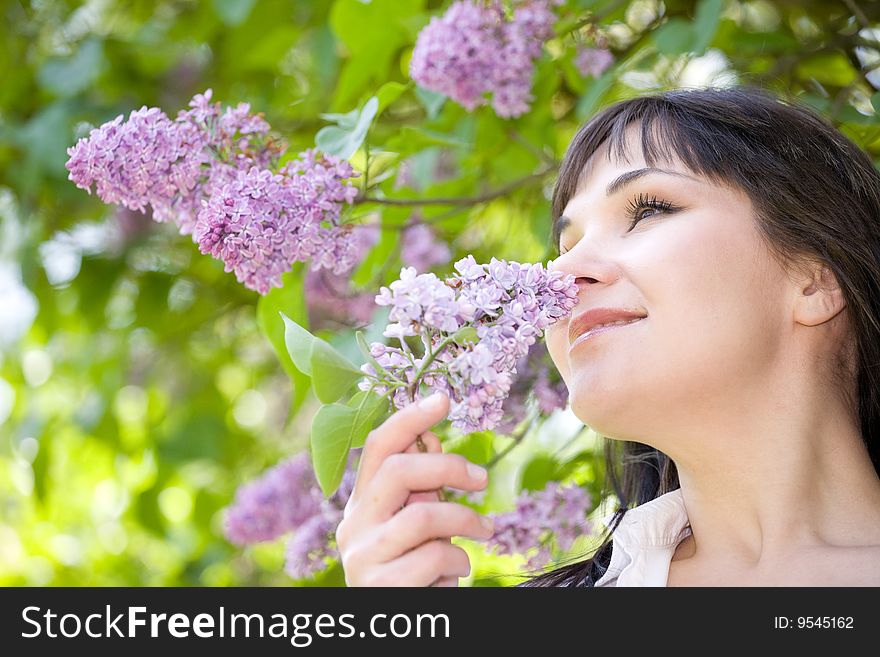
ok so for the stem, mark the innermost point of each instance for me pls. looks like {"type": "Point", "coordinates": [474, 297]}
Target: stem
{"type": "Point", "coordinates": [459, 200]}
{"type": "Point", "coordinates": [428, 360]}
{"type": "Point", "coordinates": [517, 437]}
{"type": "Point", "coordinates": [412, 395]}
{"type": "Point", "coordinates": [366, 166]}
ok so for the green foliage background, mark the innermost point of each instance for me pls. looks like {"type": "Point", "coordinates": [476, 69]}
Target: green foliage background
{"type": "Point", "coordinates": [144, 392]}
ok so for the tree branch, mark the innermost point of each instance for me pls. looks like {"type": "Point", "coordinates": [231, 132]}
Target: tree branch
{"type": "Point", "coordinates": [459, 200]}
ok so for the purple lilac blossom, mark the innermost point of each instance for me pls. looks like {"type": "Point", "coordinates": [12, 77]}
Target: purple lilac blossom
{"type": "Point", "coordinates": [261, 223]}
{"type": "Point", "coordinates": [313, 545]}
{"type": "Point", "coordinates": [211, 172]}
{"type": "Point", "coordinates": [536, 377]}
{"type": "Point", "coordinates": [593, 61]}
{"type": "Point", "coordinates": [473, 50]}
{"type": "Point", "coordinates": [421, 248]}
{"type": "Point", "coordinates": [285, 499]}
{"type": "Point", "coordinates": [330, 298]}
{"type": "Point", "coordinates": [281, 499]}
{"type": "Point", "coordinates": [509, 305]}
{"type": "Point", "coordinates": [150, 161]}
{"type": "Point", "coordinates": [556, 511]}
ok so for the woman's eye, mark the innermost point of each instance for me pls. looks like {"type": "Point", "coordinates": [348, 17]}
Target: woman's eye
{"type": "Point", "coordinates": [642, 204]}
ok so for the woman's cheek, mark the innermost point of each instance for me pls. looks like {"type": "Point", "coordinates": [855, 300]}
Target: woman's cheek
{"type": "Point", "coordinates": [557, 341]}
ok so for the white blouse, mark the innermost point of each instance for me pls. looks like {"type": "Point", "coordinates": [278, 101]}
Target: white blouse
{"type": "Point", "coordinates": [645, 540]}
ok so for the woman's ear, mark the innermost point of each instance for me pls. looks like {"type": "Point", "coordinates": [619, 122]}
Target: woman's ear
{"type": "Point", "coordinates": [820, 297]}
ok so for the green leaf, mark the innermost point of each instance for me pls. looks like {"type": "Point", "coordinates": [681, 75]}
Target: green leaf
{"type": "Point", "coordinates": [674, 36]}
{"type": "Point", "coordinates": [372, 411]}
{"type": "Point", "coordinates": [348, 120]}
{"type": "Point", "coordinates": [336, 429]}
{"type": "Point", "coordinates": [465, 334]}
{"type": "Point", "coordinates": [476, 447]}
{"type": "Point", "coordinates": [538, 473]}
{"type": "Point", "coordinates": [431, 100]}
{"type": "Point", "coordinates": [378, 256]}
{"type": "Point", "coordinates": [287, 300]}
{"type": "Point", "coordinates": [830, 68]}
{"type": "Point", "coordinates": [298, 342]}
{"type": "Point", "coordinates": [387, 94]}
{"type": "Point", "coordinates": [332, 373]}
{"type": "Point", "coordinates": [332, 434]}
{"type": "Point", "coordinates": [705, 24]}
{"type": "Point", "coordinates": [372, 33]}
{"type": "Point", "coordinates": [343, 141]}
{"type": "Point", "coordinates": [70, 75]}
{"type": "Point", "coordinates": [588, 102]}
{"type": "Point", "coordinates": [233, 12]}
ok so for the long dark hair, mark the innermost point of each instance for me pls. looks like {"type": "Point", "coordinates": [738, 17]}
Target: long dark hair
{"type": "Point", "coordinates": [815, 194]}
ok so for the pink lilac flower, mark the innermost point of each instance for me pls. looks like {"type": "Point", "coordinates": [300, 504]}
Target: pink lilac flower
{"type": "Point", "coordinates": [211, 172]}
{"type": "Point", "coordinates": [593, 61]}
{"type": "Point", "coordinates": [313, 546]}
{"type": "Point", "coordinates": [260, 223]}
{"type": "Point", "coordinates": [330, 298]}
{"type": "Point", "coordinates": [473, 49]}
{"type": "Point", "coordinates": [283, 498]}
{"type": "Point", "coordinates": [287, 499]}
{"type": "Point", "coordinates": [536, 377]}
{"type": "Point", "coordinates": [506, 305]}
{"type": "Point", "coordinates": [150, 161]}
{"type": "Point", "coordinates": [557, 511]}
{"type": "Point", "coordinates": [421, 248]}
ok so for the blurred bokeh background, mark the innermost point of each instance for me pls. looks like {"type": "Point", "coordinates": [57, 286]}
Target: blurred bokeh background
{"type": "Point", "coordinates": [137, 391]}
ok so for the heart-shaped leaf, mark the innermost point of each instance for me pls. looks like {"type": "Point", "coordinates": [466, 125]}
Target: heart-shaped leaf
{"type": "Point", "coordinates": [332, 373]}
{"type": "Point", "coordinates": [337, 428]}
{"type": "Point", "coordinates": [299, 344]}
{"type": "Point", "coordinates": [344, 139]}
{"type": "Point", "coordinates": [332, 433]}
{"type": "Point", "coordinates": [290, 300]}
{"type": "Point", "coordinates": [372, 410]}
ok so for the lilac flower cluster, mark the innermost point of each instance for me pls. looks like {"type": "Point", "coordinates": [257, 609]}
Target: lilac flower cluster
{"type": "Point", "coordinates": [593, 62]}
{"type": "Point", "coordinates": [505, 306]}
{"type": "Point", "coordinates": [210, 171]}
{"type": "Point", "coordinates": [473, 49]}
{"type": "Point", "coordinates": [331, 301]}
{"type": "Point", "coordinates": [313, 545]}
{"type": "Point", "coordinates": [170, 166]}
{"type": "Point", "coordinates": [421, 248]}
{"type": "Point", "coordinates": [260, 223]}
{"type": "Point", "coordinates": [538, 378]}
{"type": "Point", "coordinates": [557, 511]}
{"type": "Point", "coordinates": [285, 499]}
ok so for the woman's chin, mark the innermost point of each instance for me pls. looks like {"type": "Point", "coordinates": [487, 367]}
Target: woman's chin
{"type": "Point", "coordinates": [602, 410]}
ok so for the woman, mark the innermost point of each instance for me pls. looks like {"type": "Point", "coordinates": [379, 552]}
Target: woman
{"type": "Point", "coordinates": [738, 235]}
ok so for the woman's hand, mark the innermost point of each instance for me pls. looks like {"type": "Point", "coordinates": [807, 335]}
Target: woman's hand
{"type": "Point", "coordinates": [394, 530]}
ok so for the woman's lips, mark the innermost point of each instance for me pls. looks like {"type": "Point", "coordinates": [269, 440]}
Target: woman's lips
{"type": "Point", "coordinates": [595, 332]}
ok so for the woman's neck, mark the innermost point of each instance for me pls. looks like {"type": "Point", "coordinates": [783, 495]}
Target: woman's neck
{"type": "Point", "coordinates": [756, 495]}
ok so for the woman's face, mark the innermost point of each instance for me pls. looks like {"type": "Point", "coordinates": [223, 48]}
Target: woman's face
{"type": "Point", "coordinates": [716, 302]}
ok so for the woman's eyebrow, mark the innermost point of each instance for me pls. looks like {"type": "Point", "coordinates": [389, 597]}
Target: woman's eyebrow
{"type": "Point", "coordinates": [629, 176]}
{"type": "Point", "coordinates": [563, 222]}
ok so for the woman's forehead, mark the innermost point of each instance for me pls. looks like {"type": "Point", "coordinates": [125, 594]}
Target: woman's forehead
{"type": "Point", "coordinates": [612, 161]}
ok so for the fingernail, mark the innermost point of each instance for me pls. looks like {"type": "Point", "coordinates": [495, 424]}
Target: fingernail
{"type": "Point", "coordinates": [488, 523]}
{"type": "Point", "coordinates": [476, 472]}
{"type": "Point", "coordinates": [431, 402]}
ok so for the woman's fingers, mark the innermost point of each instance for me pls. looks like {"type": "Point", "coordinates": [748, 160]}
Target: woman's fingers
{"type": "Point", "coordinates": [423, 565]}
{"type": "Point", "coordinates": [401, 474]}
{"type": "Point", "coordinates": [395, 435]}
{"type": "Point", "coordinates": [425, 521]}
{"type": "Point", "coordinates": [432, 443]}
{"type": "Point", "coordinates": [446, 581]}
